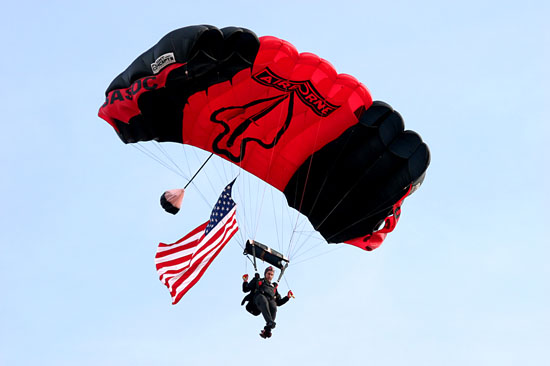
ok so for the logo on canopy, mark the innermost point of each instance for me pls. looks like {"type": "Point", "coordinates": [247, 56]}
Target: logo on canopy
{"type": "Point", "coordinates": [264, 121]}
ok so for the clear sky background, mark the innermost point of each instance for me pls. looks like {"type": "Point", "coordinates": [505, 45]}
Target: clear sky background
{"type": "Point", "coordinates": [463, 280]}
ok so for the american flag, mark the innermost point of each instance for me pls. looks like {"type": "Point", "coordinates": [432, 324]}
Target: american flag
{"type": "Point", "coordinates": [181, 265]}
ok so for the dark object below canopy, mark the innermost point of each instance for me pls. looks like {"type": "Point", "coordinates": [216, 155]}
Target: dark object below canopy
{"type": "Point", "coordinates": [171, 200]}
{"type": "Point", "coordinates": [266, 254]}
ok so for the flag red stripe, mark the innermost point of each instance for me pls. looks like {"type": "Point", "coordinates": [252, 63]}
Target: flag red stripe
{"type": "Point", "coordinates": [173, 262]}
{"type": "Point", "coordinates": [168, 252]}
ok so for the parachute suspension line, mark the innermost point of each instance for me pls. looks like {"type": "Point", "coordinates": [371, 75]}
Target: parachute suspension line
{"type": "Point", "coordinates": [248, 202]}
{"type": "Point", "coordinates": [293, 241]}
{"type": "Point", "coordinates": [186, 158]}
{"type": "Point", "coordinates": [317, 255]}
{"type": "Point", "coordinates": [287, 285]}
{"type": "Point", "coordinates": [275, 221]}
{"type": "Point", "coordinates": [257, 212]}
{"type": "Point", "coordinates": [283, 210]}
{"type": "Point", "coordinates": [289, 251]}
{"type": "Point", "coordinates": [294, 228]}
{"type": "Point", "coordinates": [308, 243]}
{"type": "Point", "coordinates": [290, 216]}
{"type": "Point", "coordinates": [152, 156]}
{"type": "Point", "coordinates": [314, 244]}
{"type": "Point", "coordinates": [167, 156]}
{"type": "Point", "coordinates": [197, 172]}
{"type": "Point", "coordinates": [208, 203]}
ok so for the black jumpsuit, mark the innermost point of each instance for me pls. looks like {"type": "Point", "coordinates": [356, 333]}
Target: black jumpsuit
{"type": "Point", "coordinates": [266, 298]}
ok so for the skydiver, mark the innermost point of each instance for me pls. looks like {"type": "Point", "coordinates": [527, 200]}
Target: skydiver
{"type": "Point", "coordinates": [264, 298]}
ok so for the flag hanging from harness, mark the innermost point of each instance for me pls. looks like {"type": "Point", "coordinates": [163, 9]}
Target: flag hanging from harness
{"type": "Point", "coordinates": [180, 265]}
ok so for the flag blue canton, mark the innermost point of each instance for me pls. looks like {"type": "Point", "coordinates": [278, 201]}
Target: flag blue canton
{"type": "Point", "coordinates": [221, 209]}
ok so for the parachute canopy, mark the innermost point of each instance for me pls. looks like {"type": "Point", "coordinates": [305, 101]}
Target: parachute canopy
{"type": "Point", "coordinates": [288, 118]}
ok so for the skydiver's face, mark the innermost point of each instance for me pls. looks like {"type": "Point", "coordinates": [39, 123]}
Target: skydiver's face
{"type": "Point", "coordinates": [269, 275]}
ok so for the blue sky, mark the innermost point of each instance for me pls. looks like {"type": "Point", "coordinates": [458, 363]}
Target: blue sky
{"type": "Point", "coordinates": [462, 280]}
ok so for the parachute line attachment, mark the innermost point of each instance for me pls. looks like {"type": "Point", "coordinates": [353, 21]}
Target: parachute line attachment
{"type": "Point", "coordinates": [282, 272]}
{"type": "Point", "coordinates": [266, 254]}
{"type": "Point", "coordinates": [254, 257]}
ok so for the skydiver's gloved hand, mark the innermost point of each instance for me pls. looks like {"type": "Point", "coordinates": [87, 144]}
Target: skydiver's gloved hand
{"type": "Point", "coordinates": [257, 276]}
{"type": "Point", "coordinates": [290, 294]}
{"type": "Point", "coordinates": [245, 277]}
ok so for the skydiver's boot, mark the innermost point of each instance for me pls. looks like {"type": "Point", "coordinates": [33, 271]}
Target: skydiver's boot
{"type": "Point", "coordinates": [266, 332]}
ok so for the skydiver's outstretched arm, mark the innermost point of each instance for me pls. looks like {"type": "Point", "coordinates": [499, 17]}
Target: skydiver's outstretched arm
{"type": "Point", "coordinates": [245, 283]}
{"type": "Point", "coordinates": [281, 301]}
{"type": "Point", "coordinates": [252, 285]}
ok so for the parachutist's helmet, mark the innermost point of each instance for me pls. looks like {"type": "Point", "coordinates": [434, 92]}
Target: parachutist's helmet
{"type": "Point", "coordinates": [269, 269]}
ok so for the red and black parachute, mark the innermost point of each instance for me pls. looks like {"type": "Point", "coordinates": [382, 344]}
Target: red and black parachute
{"type": "Point", "coordinates": [288, 118]}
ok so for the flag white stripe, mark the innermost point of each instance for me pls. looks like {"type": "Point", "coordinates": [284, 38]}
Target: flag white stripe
{"type": "Point", "coordinates": [176, 255]}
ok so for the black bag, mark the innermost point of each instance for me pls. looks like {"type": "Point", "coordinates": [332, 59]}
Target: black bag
{"type": "Point", "coordinates": [250, 306]}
